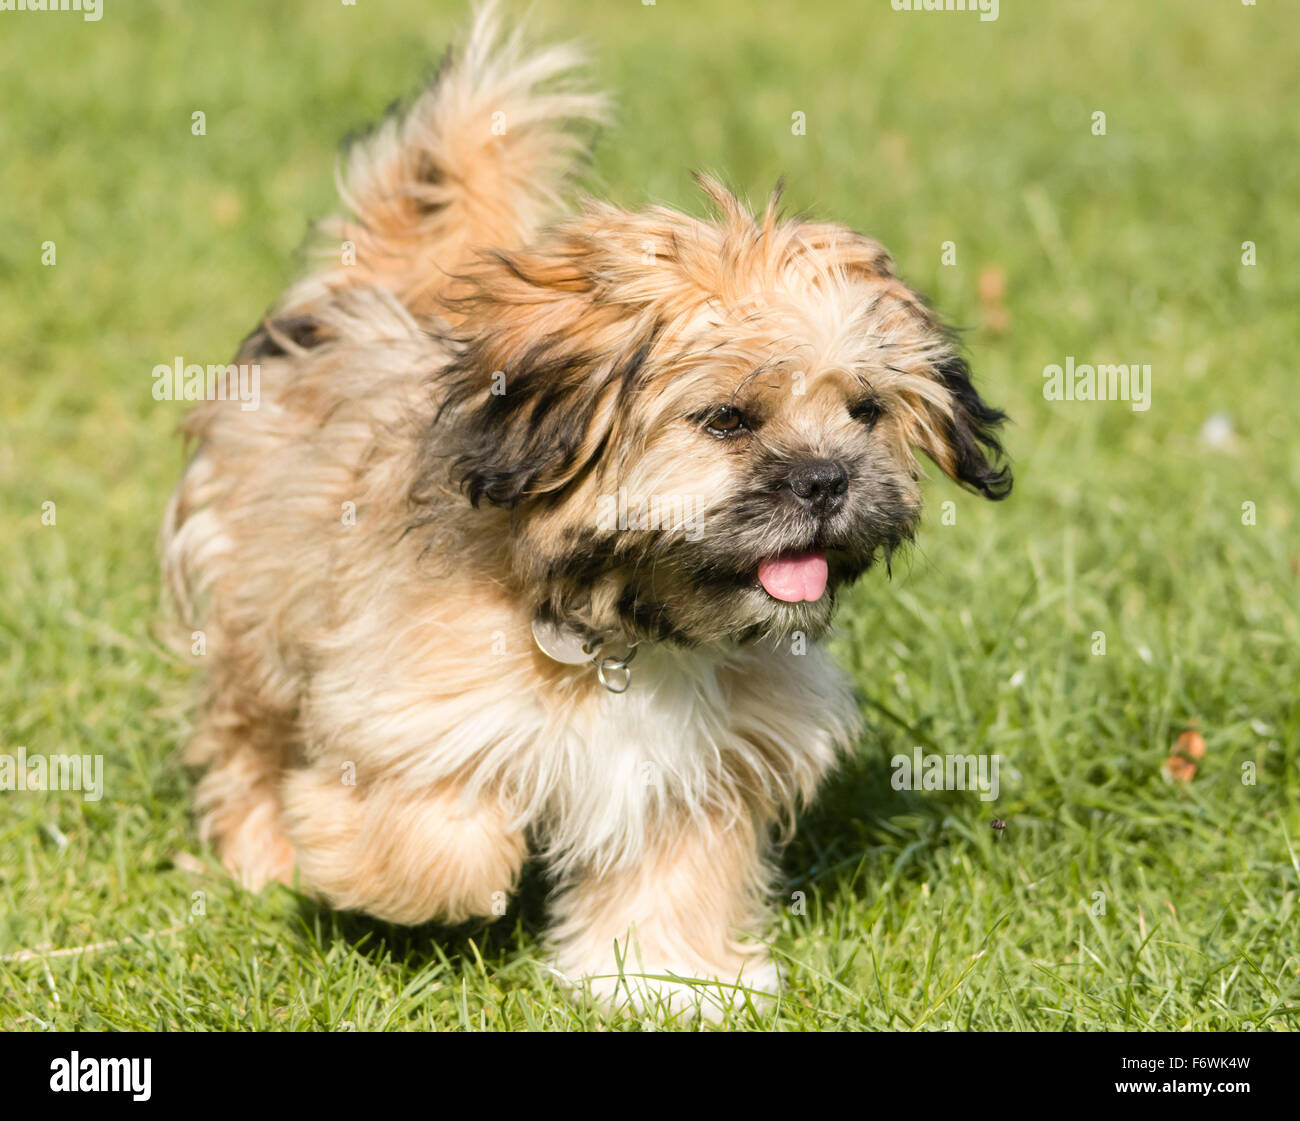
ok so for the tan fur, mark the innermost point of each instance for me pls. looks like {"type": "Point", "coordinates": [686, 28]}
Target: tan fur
{"type": "Point", "coordinates": [678, 914]}
{"type": "Point", "coordinates": [365, 554]}
{"type": "Point", "coordinates": [479, 159]}
{"type": "Point", "coordinates": [400, 853]}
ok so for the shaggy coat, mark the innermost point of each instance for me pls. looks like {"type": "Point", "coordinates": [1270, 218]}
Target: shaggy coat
{"type": "Point", "coordinates": [451, 407]}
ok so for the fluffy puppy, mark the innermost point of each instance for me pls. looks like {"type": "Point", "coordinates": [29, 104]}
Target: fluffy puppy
{"type": "Point", "coordinates": [528, 547]}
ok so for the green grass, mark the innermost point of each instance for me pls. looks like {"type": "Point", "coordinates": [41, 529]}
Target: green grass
{"type": "Point", "coordinates": [921, 129]}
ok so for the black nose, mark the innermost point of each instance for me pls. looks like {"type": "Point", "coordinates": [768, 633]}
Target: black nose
{"type": "Point", "coordinates": [821, 483]}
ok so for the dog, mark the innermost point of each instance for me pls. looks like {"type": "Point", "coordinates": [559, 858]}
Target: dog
{"type": "Point", "coordinates": [527, 550]}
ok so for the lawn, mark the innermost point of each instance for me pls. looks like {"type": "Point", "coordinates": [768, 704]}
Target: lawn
{"type": "Point", "coordinates": [1119, 895]}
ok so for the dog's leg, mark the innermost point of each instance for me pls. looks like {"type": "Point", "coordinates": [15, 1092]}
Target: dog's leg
{"type": "Point", "coordinates": [236, 798]}
{"type": "Point", "coordinates": [401, 854]}
{"type": "Point", "coordinates": [683, 908]}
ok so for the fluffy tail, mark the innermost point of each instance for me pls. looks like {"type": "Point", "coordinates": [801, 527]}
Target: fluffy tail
{"type": "Point", "coordinates": [478, 161]}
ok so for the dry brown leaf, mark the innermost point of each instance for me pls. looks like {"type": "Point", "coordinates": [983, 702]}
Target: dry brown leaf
{"type": "Point", "coordinates": [1190, 744]}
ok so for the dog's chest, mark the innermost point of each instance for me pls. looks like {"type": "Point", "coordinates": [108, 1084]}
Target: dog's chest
{"type": "Point", "coordinates": [692, 731]}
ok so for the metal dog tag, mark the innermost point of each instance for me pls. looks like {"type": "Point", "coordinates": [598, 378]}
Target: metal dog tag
{"type": "Point", "coordinates": [561, 644]}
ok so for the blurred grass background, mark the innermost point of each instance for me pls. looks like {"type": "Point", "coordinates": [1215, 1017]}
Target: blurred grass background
{"type": "Point", "coordinates": [1116, 899]}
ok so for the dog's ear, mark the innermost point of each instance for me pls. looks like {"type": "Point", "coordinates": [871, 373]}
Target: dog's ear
{"type": "Point", "coordinates": [544, 376]}
{"type": "Point", "coordinates": [955, 427]}
{"type": "Point", "coordinates": [965, 442]}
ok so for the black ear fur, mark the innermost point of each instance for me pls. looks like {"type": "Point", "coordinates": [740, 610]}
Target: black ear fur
{"type": "Point", "coordinates": [977, 455]}
{"type": "Point", "coordinates": [548, 426]}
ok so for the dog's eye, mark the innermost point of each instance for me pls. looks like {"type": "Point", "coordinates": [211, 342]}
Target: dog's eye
{"type": "Point", "coordinates": [726, 422]}
{"type": "Point", "coordinates": [867, 411]}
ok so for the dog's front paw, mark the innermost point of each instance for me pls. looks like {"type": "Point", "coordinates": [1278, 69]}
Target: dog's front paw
{"type": "Point", "coordinates": [627, 982]}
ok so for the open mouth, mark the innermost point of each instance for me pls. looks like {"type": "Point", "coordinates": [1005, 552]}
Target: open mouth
{"type": "Point", "coordinates": [795, 577]}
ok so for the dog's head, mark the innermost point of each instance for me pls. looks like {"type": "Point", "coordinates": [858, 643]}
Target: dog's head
{"type": "Point", "coordinates": [703, 429]}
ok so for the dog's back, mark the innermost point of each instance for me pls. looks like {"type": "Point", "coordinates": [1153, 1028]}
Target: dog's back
{"type": "Point", "coordinates": [477, 162]}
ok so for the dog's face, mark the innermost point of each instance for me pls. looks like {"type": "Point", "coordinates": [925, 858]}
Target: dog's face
{"type": "Point", "coordinates": [704, 429]}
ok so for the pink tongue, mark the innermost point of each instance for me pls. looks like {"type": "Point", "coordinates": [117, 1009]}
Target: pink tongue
{"type": "Point", "coordinates": [794, 579]}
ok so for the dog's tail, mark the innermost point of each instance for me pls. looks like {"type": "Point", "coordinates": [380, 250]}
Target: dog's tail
{"type": "Point", "coordinates": [478, 161]}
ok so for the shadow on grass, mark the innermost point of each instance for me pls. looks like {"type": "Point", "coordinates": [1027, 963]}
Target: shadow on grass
{"type": "Point", "coordinates": [859, 821]}
{"type": "Point", "coordinates": [525, 918]}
